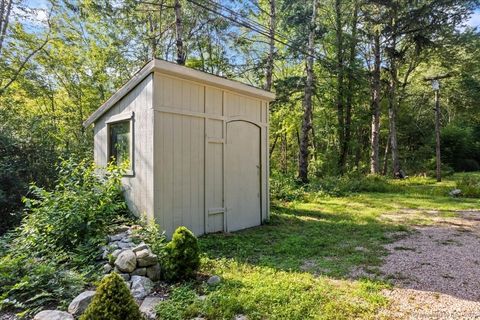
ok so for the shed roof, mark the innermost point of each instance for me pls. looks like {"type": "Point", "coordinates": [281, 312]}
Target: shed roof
{"type": "Point", "coordinates": [170, 68]}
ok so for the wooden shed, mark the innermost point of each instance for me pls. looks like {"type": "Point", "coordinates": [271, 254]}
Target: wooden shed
{"type": "Point", "coordinates": [197, 145]}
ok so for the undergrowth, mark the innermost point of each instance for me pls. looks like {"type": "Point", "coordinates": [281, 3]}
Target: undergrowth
{"type": "Point", "coordinates": [48, 259]}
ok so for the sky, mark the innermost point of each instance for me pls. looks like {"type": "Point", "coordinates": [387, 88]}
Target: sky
{"type": "Point", "coordinates": [474, 20]}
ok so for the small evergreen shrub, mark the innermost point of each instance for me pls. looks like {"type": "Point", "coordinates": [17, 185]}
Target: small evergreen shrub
{"type": "Point", "coordinates": [112, 301]}
{"type": "Point", "coordinates": [182, 258]}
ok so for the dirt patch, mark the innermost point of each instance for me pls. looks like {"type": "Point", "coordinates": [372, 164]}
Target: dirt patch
{"type": "Point", "coordinates": [436, 269]}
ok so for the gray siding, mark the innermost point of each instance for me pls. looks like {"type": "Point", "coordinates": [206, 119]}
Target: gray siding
{"type": "Point", "coordinates": [139, 187]}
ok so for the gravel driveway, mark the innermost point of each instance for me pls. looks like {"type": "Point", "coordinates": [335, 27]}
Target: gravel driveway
{"type": "Point", "coordinates": [435, 270]}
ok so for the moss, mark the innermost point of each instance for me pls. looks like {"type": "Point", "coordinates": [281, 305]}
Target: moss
{"type": "Point", "coordinates": [112, 301]}
{"type": "Point", "coordinates": [182, 258]}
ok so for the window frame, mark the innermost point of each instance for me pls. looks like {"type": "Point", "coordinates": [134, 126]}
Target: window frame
{"type": "Point", "coordinates": [123, 117]}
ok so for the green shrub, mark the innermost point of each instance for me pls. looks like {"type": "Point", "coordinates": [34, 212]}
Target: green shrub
{"type": "Point", "coordinates": [182, 258]}
{"type": "Point", "coordinates": [470, 186]}
{"type": "Point", "coordinates": [182, 304]}
{"type": "Point", "coordinates": [285, 188]}
{"type": "Point", "coordinates": [112, 301]}
{"type": "Point", "coordinates": [52, 254]}
{"type": "Point", "coordinates": [150, 233]}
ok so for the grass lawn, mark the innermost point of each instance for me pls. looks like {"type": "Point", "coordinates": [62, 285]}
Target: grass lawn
{"type": "Point", "coordinates": [299, 266]}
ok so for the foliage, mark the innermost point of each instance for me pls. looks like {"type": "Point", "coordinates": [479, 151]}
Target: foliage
{"type": "Point", "coordinates": [470, 186]}
{"type": "Point", "coordinates": [112, 301]}
{"type": "Point", "coordinates": [150, 233]}
{"type": "Point", "coordinates": [182, 303]}
{"type": "Point", "coordinates": [182, 258]}
{"type": "Point", "coordinates": [49, 257]}
{"type": "Point", "coordinates": [21, 161]}
{"type": "Point", "coordinates": [287, 189]}
{"type": "Point", "coordinates": [460, 148]}
{"type": "Point", "coordinates": [76, 214]}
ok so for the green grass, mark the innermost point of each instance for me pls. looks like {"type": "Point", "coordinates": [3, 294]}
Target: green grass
{"type": "Point", "coordinates": [299, 265]}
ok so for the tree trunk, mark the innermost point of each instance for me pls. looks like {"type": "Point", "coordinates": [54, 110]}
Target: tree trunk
{"type": "Point", "coordinates": [393, 95]}
{"type": "Point", "coordinates": [375, 126]}
{"type": "Point", "coordinates": [340, 79]}
{"type": "Point", "coordinates": [307, 101]}
{"type": "Point", "coordinates": [271, 54]}
{"type": "Point", "coordinates": [385, 158]}
{"type": "Point", "coordinates": [179, 33]}
{"type": "Point", "coordinates": [350, 89]}
{"type": "Point", "coordinates": [392, 118]}
{"type": "Point", "coordinates": [5, 10]}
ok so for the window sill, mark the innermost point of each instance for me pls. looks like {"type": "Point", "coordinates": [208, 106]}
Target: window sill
{"type": "Point", "coordinates": [129, 174]}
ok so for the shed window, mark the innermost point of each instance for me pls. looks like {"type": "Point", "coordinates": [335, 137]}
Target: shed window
{"type": "Point", "coordinates": [120, 143]}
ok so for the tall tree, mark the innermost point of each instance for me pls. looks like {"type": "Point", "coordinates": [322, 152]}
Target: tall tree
{"type": "Point", "coordinates": [181, 54]}
{"type": "Point", "coordinates": [307, 99]}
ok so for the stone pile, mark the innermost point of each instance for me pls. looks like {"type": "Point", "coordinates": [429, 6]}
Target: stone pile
{"type": "Point", "coordinates": [135, 263]}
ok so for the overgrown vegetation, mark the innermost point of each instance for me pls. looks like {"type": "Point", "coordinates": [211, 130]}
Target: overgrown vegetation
{"type": "Point", "coordinates": [51, 255]}
{"type": "Point", "coordinates": [181, 259]}
{"type": "Point", "coordinates": [469, 186]}
{"type": "Point", "coordinates": [112, 301]}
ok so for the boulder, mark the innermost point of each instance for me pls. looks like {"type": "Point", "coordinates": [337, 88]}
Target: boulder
{"type": "Point", "coordinates": [153, 272]}
{"type": "Point", "coordinates": [140, 247]}
{"type": "Point", "coordinates": [141, 287]}
{"type": "Point", "coordinates": [455, 192]}
{"type": "Point", "coordinates": [240, 317]}
{"type": "Point", "coordinates": [145, 258]}
{"type": "Point", "coordinates": [124, 276]}
{"type": "Point", "coordinates": [126, 261]}
{"type": "Point", "coordinates": [53, 315]}
{"type": "Point", "coordinates": [213, 280]}
{"type": "Point", "coordinates": [124, 245]}
{"type": "Point", "coordinates": [139, 272]}
{"type": "Point", "coordinates": [148, 307]}
{"type": "Point", "coordinates": [117, 237]}
{"type": "Point", "coordinates": [116, 253]}
{"type": "Point", "coordinates": [107, 268]}
{"type": "Point", "coordinates": [80, 303]}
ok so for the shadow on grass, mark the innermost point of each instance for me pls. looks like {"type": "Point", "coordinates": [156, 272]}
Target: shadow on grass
{"type": "Point", "coordinates": [306, 240]}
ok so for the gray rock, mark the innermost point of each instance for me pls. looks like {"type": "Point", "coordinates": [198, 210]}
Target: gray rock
{"type": "Point", "coordinates": [80, 303]}
{"type": "Point", "coordinates": [126, 240]}
{"type": "Point", "coordinates": [148, 307]}
{"type": "Point", "coordinates": [107, 268]}
{"type": "Point", "coordinates": [202, 297]}
{"type": "Point", "coordinates": [140, 247]}
{"type": "Point", "coordinates": [145, 258]}
{"type": "Point", "coordinates": [125, 276]}
{"type": "Point", "coordinates": [455, 192]}
{"type": "Point", "coordinates": [141, 287]}
{"type": "Point", "coordinates": [139, 272]}
{"type": "Point", "coordinates": [116, 253]}
{"type": "Point", "coordinates": [240, 317]}
{"type": "Point", "coordinates": [53, 315]}
{"type": "Point", "coordinates": [126, 261]}
{"type": "Point", "coordinates": [124, 245]}
{"type": "Point", "coordinates": [213, 280]}
{"type": "Point", "coordinates": [153, 272]}
{"type": "Point", "coordinates": [117, 237]}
